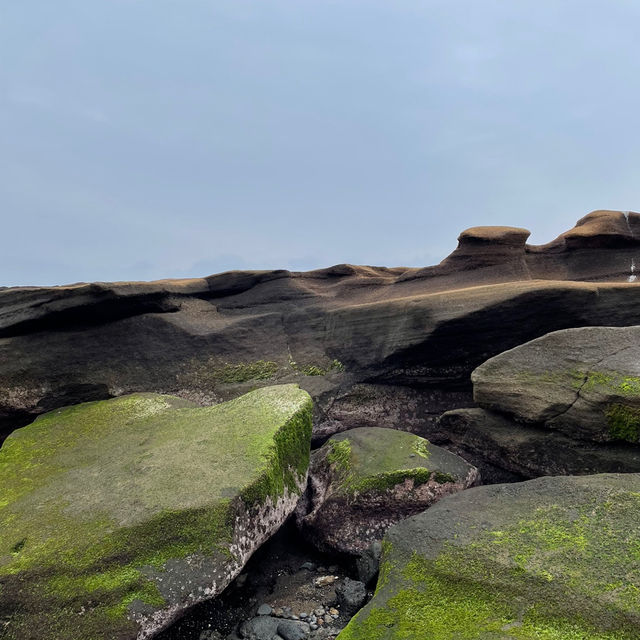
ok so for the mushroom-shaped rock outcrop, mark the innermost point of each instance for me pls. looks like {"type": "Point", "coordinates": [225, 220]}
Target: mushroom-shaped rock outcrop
{"type": "Point", "coordinates": [483, 246]}
{"type": "Point", "coordinates": [493, 254]}
{"type": "Point", "coordinates": [552, 558]}
{"type": "Point", "coordinates": [601, 229]}
{"type": "Point", "coordinates": [117, 515]}
{"type": "Point", "coordinates": [583, 382]}
{"type": "Point", "coordinates": [364, 480]}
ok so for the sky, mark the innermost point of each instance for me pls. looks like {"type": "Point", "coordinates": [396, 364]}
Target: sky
{"type": "Point", "coordinates": [146, 139]}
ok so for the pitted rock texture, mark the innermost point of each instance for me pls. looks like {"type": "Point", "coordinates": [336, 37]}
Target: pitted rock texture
{"type": "Point", "coordinates": [552, 558]}
{"type": "Point", "coordinates": [351, 336]}
{"type": "Point", "coordinates": [364, 480]}
{"type": "Point", "coordinates": [118, 515]}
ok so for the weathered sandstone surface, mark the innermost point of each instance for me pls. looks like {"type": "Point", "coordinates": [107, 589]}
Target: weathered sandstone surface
{"type": "Point", "coordinates": [373, 346]}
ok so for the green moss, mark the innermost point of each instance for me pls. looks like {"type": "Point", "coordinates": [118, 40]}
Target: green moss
{"type": "Point", "coordinates": [210, 373]}
{"type": "Point", "coordinates": [443, 478]}
{"type": "Point", "coordinates": [289, 460]}
{"type": "Point", "coordinates": [587, 381]}
{"type": "Point", "coordinates": [376, 460]}
{"type": "Point", "coordinates": [564, 573]}
{"type": "Point", "coordinates": [382, 482]}
{"type": "Point", "coordinates": [98, 495]}
{"type": "Point", "coordinates": [244, 371]}
{"type": "Point", "coordinates": [612, 381]}
{"type": "Point", "coordinates": [623, 422]}
{"type": "Point", "coordinates": [421, 447]}
{"type": "Point", "coordinates": [340, 453]}
{"type": "Point", "coordinates": [317, 370]}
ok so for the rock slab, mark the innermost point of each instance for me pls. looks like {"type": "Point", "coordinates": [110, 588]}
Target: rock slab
{"type": "Point", "coordinates": [554, 558]}
{"type": "Point", "coordinates": [582, 382]}
{"type": "Point", "coordinates": [117, 515]}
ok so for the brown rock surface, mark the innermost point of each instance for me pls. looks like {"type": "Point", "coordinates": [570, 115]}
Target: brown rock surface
{"type": "Point", "coordinates": [370, 344]}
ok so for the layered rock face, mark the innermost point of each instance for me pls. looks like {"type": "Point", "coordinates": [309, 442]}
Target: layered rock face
{"type": "Point", "coordinates": [551, 558]}
{"type": "Point", "coordinates": [568, 402]}
{"type": "Point", "coordinates": [364, 480]}
{"type": "Point", "coordinates": [117, 515]}
{"type": "Point", "coordinates": [374, 346]}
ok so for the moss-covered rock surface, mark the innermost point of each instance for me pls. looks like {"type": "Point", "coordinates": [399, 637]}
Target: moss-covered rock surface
{"type": "Point", "coordinates": [116, 515]}
{"type": "Point", "coordinates": [365, 479]}
{"type": "Point", "coordinates": [556, 558]}
{"type": "Point", "coordinates": [584, 382]}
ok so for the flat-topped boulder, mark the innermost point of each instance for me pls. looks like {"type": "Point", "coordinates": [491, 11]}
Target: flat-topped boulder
{"type": "Point", "coordinates": [553, 558]}
{"type": "Point", "coordinates": [117, 515]}
{"type": "Point", "coordinates": [583, 382]}
{"type": "Point", "coordinates": [364, 480]}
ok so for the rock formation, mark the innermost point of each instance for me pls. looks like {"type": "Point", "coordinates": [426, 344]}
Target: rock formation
{"type": "Point", "coordinates": [373, 346]}
{"type": "Point", "coordinates": [583, 382]}
{"type": "Point", "coordinates": [549, 558]}
{"type": "Point", "coordinates": [364, 480]}
{"type": "Point", "coordinates": [566, 403]}
{"type": "Point", "coordinates": [117, 515]}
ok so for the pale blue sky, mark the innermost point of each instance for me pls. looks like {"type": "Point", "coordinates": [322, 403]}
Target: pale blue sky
{"type": "Point", "coordinates": [142, 139]}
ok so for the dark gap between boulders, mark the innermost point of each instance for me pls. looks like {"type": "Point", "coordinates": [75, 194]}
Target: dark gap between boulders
{"type": "Point", "coordinates": [288, 589]}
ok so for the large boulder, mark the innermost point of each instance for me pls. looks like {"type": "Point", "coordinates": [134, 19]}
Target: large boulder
{"type": "Point", "coordinates": [364, 480]}
{"type": "Point", "coordinates": [117, 515]}
{"type": "Point", "coordinates": [582, 382]}
{"type": "Point", "coordinates": [553, 558]}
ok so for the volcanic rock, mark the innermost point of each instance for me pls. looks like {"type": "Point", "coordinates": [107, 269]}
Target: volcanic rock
{"type": "Point", "coordinates": [118, 515]}
{"type": "Point", "coordinates": [547, 558]}
{"type": "Point", "coordinates": [366, 479]}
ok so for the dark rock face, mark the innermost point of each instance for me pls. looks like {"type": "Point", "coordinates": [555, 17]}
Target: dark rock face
{"type": "Point", "coordinates": [536, 559]}
{"type": "Point", "coordinates": [508, 451]}
{"type": "Point", "coordinates": [352, 594]}
{"type": "Point", "coordinates": [373, 346]}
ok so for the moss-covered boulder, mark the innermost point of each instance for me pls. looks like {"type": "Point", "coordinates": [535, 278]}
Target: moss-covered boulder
{"type": "Point", "coordinates": [364, 480]}
{"type": "Point", "coordinates": [584, 382]}
{"type": "Point", "coordinates": [117, 515]}
{"type": "Point", "coordinates": [556, 558]}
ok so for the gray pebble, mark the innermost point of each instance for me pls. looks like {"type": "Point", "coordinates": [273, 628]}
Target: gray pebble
{"type": "Point", "coordinates": [264, 610]}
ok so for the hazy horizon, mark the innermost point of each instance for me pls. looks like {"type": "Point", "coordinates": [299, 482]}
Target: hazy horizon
{"type": "Point", "coordinates": [146, 140]}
